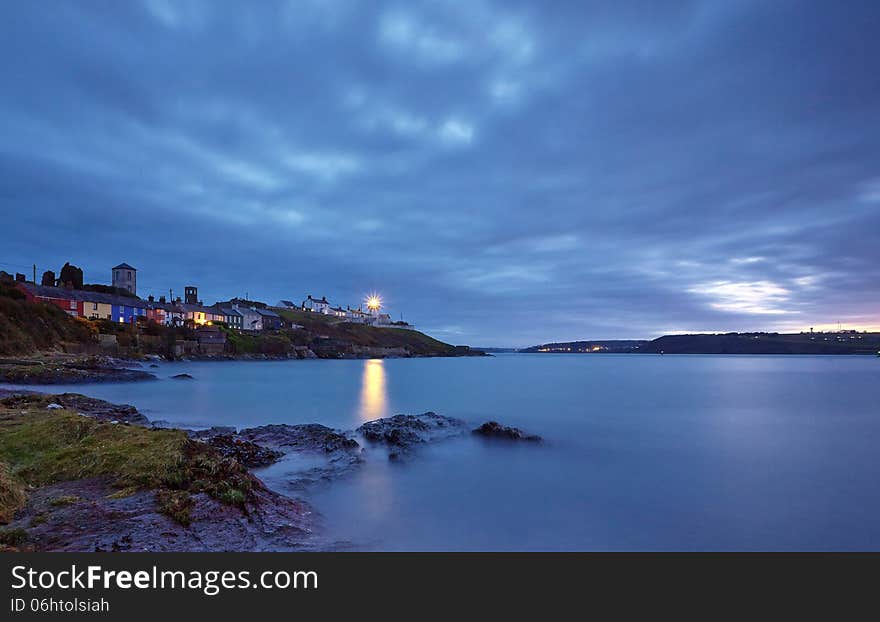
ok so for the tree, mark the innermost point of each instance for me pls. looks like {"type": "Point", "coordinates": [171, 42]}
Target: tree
{"type": "Point", "coordinates": [48, 279]}
{"type": "Point", "coordinates": [71, 276]}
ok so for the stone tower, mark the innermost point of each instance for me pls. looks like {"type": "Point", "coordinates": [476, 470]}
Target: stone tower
{"type": "Point", "coordinates": [125, 277]}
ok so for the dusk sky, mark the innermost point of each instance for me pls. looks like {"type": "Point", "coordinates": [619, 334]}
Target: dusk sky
{"type": "Point", "coordinates": [502, 173]}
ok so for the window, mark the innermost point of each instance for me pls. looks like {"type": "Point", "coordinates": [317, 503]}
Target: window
{"type": "Point", "coordinates": [73, 304]}
{"type": "Point", "coordinates": [129, 275]}
{"type": "Point", "coordinates": [94, 306]}
{"type": "Point", "coordinates": [116, 275]}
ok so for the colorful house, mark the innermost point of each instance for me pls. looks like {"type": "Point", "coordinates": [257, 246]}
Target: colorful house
{"type": "Point", "coordinates": [97, 310]}
{"type": "Point", "coordinates": [127, 310]}
{"type": "Point", "coordinates": [200, 315]}
{"type": "Point", "coordinates": [62, 298]}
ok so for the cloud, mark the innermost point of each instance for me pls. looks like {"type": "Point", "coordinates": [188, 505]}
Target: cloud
{"type": "Point", "coordinates": [643, 166]}
{"type": "Point", "coordinates": [758, 298]}
{"type": "Point", "coordinates": [455, 131]}
{"type": "Point", "coordinates": [324, 166]}
{"type": "Point", "coordinates": [409, 37]}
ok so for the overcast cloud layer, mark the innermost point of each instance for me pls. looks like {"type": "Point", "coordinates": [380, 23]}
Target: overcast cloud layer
{"type": "Point", "coordinates": [502, 173]}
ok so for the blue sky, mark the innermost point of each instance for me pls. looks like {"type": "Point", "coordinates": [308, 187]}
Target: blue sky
{"type": "Point", "coordinates": [503, 173]}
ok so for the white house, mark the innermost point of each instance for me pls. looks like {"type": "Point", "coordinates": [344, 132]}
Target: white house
{"type": "Point", "coordinates": [356, 315]}
{"type": "Point", "coordinates": [251, 320]}
{"type": "Point", "coordinates": [317, 305]}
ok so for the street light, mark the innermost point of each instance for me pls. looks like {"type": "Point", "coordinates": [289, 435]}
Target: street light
{"type": "Point", "coordinates": [374, 302]}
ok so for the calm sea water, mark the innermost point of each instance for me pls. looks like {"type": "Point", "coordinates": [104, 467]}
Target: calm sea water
{"type": "Point", "coordinates": [642, 452]}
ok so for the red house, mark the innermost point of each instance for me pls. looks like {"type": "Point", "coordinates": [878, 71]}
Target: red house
{"type": "Point", "coordinates": [57, 296]}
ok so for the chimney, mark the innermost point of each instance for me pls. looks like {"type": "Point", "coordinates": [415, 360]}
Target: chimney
{"type": "Point", "coordinates": [150, 298]}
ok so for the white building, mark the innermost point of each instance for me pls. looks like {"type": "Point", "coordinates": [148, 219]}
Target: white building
{"type": "Point", "coordinates": [317, 305]}
{"type": "Point", "coordinates": [251, 320]}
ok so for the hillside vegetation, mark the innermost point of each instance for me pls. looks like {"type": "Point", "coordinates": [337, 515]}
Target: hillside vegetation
{"type": "Point", "coordinates": [318, 326]}
{"type": "Point", "coordinates": [26, 327]}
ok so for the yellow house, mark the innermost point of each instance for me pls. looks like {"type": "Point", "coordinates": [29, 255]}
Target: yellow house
{"type": "Point", "coordinates": [97, 310]}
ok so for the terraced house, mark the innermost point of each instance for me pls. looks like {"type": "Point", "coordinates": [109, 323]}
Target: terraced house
{"type": "Point", "coordinates": [88, 304]}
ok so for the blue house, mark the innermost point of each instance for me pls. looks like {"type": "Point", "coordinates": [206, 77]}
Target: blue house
{"type": "Point", "coordinates": [127, 310]}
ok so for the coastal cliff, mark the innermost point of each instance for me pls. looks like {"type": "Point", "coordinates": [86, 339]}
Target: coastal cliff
{"type": "Point", "coordinates": [30, 328]}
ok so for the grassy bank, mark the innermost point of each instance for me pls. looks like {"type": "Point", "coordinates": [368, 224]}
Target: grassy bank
{"type": "Point", "coordinates": [26, 327]}
{"type": "Point", "coordinates": [39, 446]}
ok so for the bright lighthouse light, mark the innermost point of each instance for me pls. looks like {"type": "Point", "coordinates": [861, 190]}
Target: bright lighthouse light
{"type": "Point", "coordinates": [374, 302]}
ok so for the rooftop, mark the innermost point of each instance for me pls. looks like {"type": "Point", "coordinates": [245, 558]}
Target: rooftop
{"type": "Point", "coordinates": [63, 293]}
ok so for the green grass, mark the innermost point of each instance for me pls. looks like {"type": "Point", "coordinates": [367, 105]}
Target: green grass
{"type": "Point", "coordinates": [12, 495]}
{"type": "Point", "coordinates": [43, 447]}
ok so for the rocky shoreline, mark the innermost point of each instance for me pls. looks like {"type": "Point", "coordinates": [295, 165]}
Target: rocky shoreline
{"type": "Point", "coordinates": [93, 514]}
{"type": "Point", "coordinates": [63, 369]}
{"type": "Point", "coordinates": [58, 370]}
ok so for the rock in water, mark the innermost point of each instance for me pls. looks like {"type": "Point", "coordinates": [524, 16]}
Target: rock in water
{"type": "Point", "coordinates": [493, 429]}
{"type": "Point", "coordinates": [402, 433]}
{"type": "Point", "coordinates": [315, 452]}
{"type": "Point", "coordinates": [247, 453]}
{"type": "Point", "coordinates": [182, 377]}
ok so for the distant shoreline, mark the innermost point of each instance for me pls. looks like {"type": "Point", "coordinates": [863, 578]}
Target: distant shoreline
{"type": "Point", "coordinates": [840, 343]}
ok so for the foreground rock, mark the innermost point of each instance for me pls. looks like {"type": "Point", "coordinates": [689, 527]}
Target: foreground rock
{"type": "Point", "coordinates": [494, 430]}
{"type": "Point", "coordinates": [246, 452]}
{"type": "Point", "coordinates": [212, 502]}
{"type": "Point", "coordinates": [401, 433]}
{"type": "Point", "coordinates": [83, 515]}
{"type": "Point", "coordinates": [312, 453]}
{"type": "Point", "coordinates": [84, 405]}
{"type": "Point", "coordinates": [100, 409]}
{"type": "Point", "coordinates": [302, 437]}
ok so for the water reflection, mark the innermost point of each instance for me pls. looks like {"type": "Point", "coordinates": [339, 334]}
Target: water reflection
{"type": "Point", "coordinates": [374, 393]}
